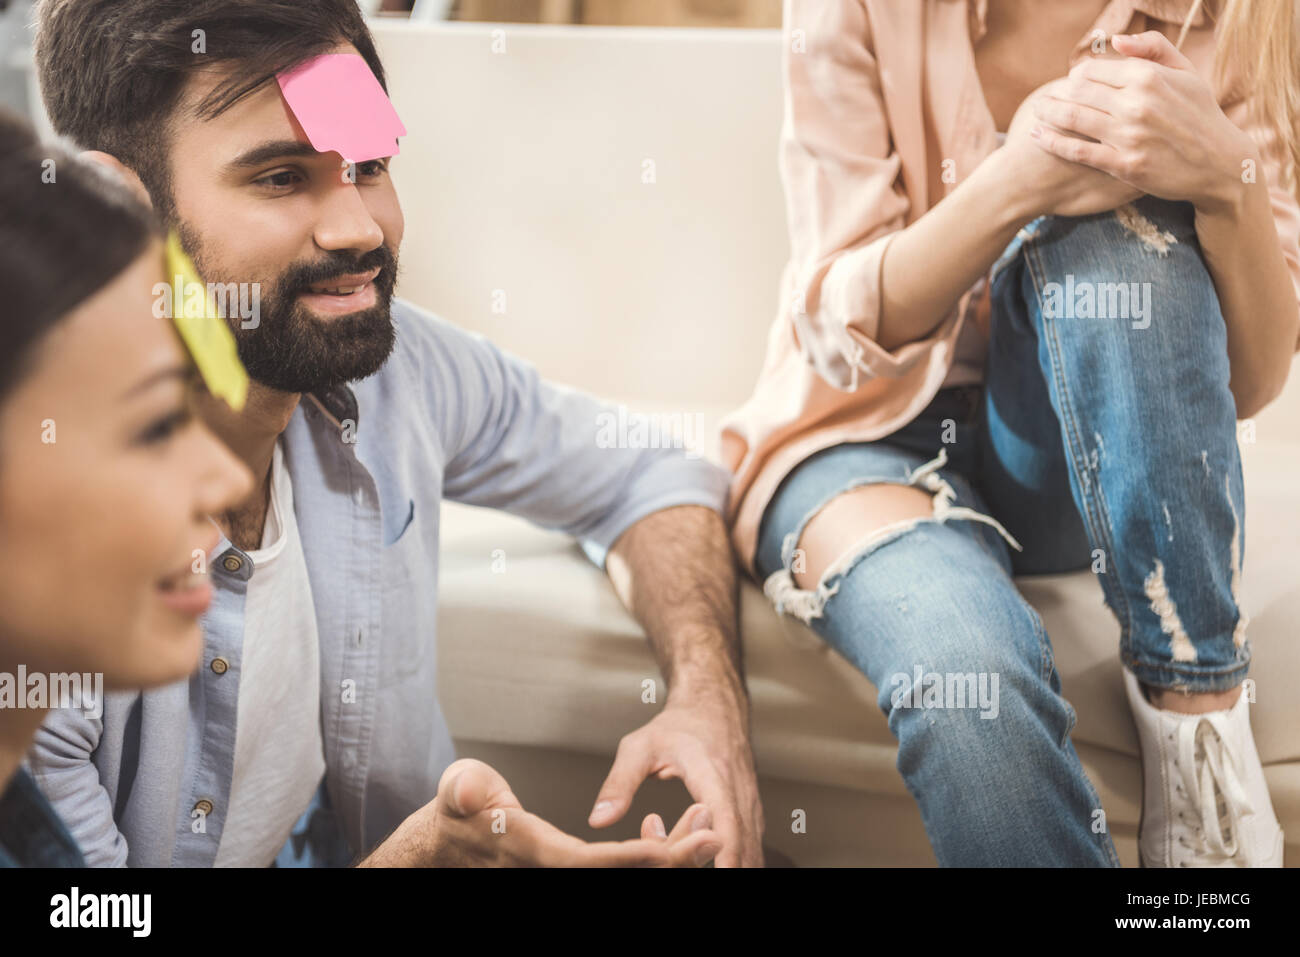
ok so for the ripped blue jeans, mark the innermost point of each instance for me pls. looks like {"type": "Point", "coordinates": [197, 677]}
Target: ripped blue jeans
{"type": "Point", "coordinates": [1103, 439]}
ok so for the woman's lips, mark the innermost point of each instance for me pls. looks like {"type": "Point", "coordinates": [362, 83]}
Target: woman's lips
{"type": "Point", "coordinates": [186, 591]}
{"type": "Point", "coordinates": [192, 600]}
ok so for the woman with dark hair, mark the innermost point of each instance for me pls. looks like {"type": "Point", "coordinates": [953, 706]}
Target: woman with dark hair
{"type": "Point", "coordinates": [106, 475]}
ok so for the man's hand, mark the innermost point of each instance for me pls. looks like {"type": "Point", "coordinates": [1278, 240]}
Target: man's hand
{"type": "Point", "coordinates": [707, 749]}
{"type": "Point", "coordinates": [475, 821]}
{"type": "Point", "coordinates": [674, 571]}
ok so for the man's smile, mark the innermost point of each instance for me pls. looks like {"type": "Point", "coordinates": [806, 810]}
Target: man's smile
{"type": "Point", "coordinates": [342, 295]}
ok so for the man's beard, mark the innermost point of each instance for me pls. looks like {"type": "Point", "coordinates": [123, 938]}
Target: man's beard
{"type": "Point", "coordinates": [291, 349]}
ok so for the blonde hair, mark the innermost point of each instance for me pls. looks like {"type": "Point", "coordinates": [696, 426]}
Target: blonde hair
{"type": "Point", "coordinates": [1260, 41]}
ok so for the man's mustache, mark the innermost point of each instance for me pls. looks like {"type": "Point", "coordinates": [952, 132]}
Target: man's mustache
{"type": "Point", "coordinates": [299, 277]}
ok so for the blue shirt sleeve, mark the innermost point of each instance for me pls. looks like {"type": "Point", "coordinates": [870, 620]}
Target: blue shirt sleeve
{"type": "Point", "coordinates": [31, 833]}
{"type": "Point", "coordinates": [554, 455]}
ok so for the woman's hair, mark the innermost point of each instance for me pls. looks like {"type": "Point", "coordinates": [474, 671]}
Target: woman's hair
{"type": "Point", "coordinates": [1259, 41]}
{"type": "Point", "coordinates": [67, 228]}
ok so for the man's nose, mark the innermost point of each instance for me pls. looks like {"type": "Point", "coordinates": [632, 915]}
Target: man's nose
{"type": "Point", "coordinates": [345, 222]}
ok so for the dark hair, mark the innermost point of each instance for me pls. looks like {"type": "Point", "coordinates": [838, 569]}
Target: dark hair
{"type": "Point", "coordinates": [67, 228]}
{"type": "Point", "coordinates": [112, 71]}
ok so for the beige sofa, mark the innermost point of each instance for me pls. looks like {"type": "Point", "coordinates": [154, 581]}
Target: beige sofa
{"type": "Point", "coordinates": [616, 191]}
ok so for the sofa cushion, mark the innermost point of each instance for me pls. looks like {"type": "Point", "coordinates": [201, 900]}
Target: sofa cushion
{"type": "Point", "coordinates": [537, 651]}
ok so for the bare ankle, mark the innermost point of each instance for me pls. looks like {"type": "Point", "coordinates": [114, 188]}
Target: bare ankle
{"type": "Point", "coordinates": [1191, 702]}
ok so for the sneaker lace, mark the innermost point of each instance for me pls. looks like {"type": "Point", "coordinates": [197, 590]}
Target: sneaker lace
{"type": "Point", "coordinates": [1211, 783]}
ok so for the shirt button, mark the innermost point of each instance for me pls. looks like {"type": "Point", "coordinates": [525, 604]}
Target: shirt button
{"type": "Point", "coordinates": [232, 563]}
{"type": "Point", "coordinates": [220, 666]}
{"type": "Point", "coordinates": [204, 807]}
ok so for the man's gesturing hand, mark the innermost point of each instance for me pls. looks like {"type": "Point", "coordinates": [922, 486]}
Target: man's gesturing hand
{"type": "Point", "coordinates": [475, 821]}
{"type": "Point", "coordinates": [708, 750]}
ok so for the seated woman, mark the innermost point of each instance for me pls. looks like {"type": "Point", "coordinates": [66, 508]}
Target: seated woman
{"type": "Point", "coordinates": [1016, 336]}
{"type": "Point", "coordinates": [106, 475]}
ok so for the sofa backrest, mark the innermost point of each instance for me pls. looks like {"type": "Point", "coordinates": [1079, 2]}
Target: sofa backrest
{"type": "Point", "coordinates": [614, 191]}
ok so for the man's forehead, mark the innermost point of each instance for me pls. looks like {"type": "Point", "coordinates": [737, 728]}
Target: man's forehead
{"type": "Point", "coordinates": [259, 116]}
{"type": "Point", "coordinates": [203, 80]}
{"type": "Point", "coordinates": [342, 107]}
{"type": "Point", "coordinates": [331, 102]}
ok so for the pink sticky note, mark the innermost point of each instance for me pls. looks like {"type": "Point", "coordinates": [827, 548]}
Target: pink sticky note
{"type": "Point", "coordinates": [342, 107]}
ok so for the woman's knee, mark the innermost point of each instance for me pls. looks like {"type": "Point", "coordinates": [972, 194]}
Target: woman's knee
{"type": "Point", "coordinates": [853, 520]}
{"type": "Point", "coordinates": [934, 599]}
{"type": "Point", "coordinates": [851, 526]}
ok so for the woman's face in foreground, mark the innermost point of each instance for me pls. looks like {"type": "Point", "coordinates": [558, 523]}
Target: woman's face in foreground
{"type": "Point", "coordinates": [106, 481]}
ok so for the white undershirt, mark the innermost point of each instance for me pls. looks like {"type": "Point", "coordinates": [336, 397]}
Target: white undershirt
{"type": "Point", "coordinates": [279, 752]}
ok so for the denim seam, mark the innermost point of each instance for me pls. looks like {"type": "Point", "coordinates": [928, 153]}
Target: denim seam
{"type": "Point", "coordinates": [1109, 842]}
{"type": "Point", "coordinates": [1047, 661]}
{"type": "Point", "coordinates": [1070, 723]}
{"type": "Point", "coordinates": [1133, 663]}
{"type": "Point", "coordinates": [1096, 514]}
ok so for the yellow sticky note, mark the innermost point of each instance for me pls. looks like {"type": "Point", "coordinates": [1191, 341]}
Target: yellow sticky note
{"type": "Point", "coordinates": [208, 338]}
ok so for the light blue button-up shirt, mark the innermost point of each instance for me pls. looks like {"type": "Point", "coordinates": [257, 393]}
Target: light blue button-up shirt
{"type": "Point", "coordinates": [448, 416]}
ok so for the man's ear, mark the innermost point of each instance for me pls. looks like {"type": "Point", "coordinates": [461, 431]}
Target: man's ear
{"type": "Point", "coordinates": [123, 172]}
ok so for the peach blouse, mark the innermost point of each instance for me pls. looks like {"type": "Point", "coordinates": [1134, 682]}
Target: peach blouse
{"type": "Point", "coordinates": [881, 96]}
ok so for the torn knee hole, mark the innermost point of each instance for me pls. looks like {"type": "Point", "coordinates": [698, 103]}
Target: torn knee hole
{"type": "Point", "coordinates": [848, 522]}
{"type": "Point", "coordinates": [817, 554]}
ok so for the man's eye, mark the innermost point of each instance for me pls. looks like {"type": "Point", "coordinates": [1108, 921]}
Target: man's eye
{"type": "Point", "coordinates": [281, 180]}
{"type": "Point", "coordinates": [372, 168]}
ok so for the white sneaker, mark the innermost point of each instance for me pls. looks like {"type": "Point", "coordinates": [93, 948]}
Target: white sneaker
{"type": "Point", "coordinates": [1204, 799]}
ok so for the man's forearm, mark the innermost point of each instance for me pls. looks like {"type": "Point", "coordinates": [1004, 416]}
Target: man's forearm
{"type": "Point", "coordinates": [674, 571]}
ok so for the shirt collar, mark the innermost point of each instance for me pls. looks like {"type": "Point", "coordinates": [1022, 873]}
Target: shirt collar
{"type": "Point", "coordinates": [1170, 11]}
{"type": "Point", "coordinates": [340, 402]}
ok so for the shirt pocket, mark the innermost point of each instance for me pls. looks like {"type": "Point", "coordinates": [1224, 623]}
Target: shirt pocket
{"type": "Point", "coordinates": [405, 525]}
{"type": "Point", "coordinates": [408, 600]}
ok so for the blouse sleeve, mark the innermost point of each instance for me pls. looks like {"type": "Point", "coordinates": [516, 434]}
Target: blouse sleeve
{"type": "Point", "coordinates": [845, 198]}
